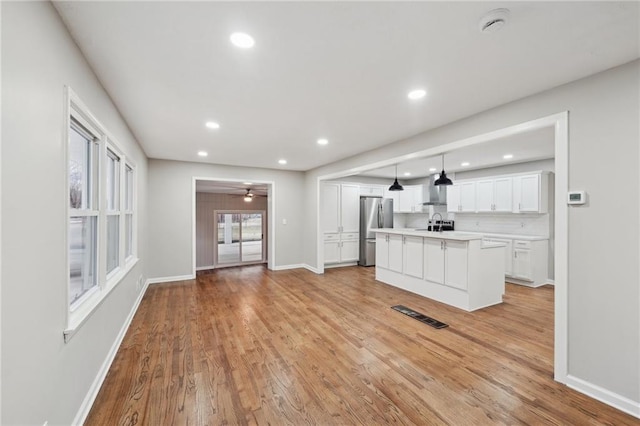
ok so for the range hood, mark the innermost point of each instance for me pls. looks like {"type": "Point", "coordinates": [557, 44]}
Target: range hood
{"type": "Point", "coordinates": [437, 195]}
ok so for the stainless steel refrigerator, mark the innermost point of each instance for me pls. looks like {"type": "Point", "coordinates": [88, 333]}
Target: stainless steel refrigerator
{"type": "Point", "coordinates": [375, 212]}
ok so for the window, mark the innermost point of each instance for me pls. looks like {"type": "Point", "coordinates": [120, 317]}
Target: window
{"type": "Point", "coordinates": [128, 212]}
{"type": "Point", "coordinates": [101, 223]}
{"type": "Point", "coordinates": [83, 218]}
{"type": "Point", "coordinates": [113, 211]}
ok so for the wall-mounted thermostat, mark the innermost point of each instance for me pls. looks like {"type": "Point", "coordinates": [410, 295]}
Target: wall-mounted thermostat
{"type": "Point", "coordinates": [576, 197]}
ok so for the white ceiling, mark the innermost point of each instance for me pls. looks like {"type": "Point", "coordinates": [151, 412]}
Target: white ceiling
{"type": "Point", "coordinates": [529, 146]}
{"type": "Point", "coordinates": [339, 70]}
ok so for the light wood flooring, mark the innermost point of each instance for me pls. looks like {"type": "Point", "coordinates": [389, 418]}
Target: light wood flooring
{"type": "Point", "coordinates": [253, 346]}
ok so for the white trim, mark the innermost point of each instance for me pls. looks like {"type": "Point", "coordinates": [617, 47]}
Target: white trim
{"type": "Point", "coordinates": [560, 123]}
{"type": "Point", "coordinates": [287, 267]}
{"type": "Point", "coordinates": [601, 394]}
{"type": "Point", "coordinates": [89, 399]}
{"type": "Point", "coordinates": [160, 280]}
{"type": "Point", "coordinates": [550, 282]}
{"type": "Point", "coordinates": [340, 265]}
{"type": "Point", "coordinates": [312, 269]}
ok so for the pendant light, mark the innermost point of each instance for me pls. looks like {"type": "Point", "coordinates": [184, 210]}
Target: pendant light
{"type": "Point", "coordinates": [396, 186]}
{"type": "Point", "coordinates": [443, 179]}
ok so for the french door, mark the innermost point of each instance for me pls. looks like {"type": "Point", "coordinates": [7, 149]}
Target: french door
{"type": "Point", "coordinates": [239, 237]}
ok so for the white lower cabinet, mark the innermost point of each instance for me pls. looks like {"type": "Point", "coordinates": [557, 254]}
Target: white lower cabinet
{"type": "Point", "coordinates": [460, 271]}
{"type": "Point", "coordinates": [412, 256]}
{"type": "Point", "coordinates": [522, 264]}
{"type": "Point", "coordinates": [382, 251]}
{"type": "Point", "coordinates": [508, 250]}
{"type": "Point", "coordinates": [446, 262]}
{"type": "Point", "coordinates": [395, 252]}
{"type": "Point", "coordinates": [338, 250]}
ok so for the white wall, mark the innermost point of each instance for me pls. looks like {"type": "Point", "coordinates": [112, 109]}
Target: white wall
{"type": "Point", "coordinates": [44, 379]}
{"type": "Point", "coordinates": [603, 287]}
{"type": "Point", "coordinates": [171, 213]}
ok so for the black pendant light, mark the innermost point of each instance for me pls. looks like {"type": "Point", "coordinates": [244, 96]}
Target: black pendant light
{"type": "Point", "coordinates": [443, 179]}
{"type": "Point", "coordinates": [396, 186]}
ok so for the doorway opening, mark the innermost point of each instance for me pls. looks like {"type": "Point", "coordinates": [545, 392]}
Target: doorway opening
{"type": "Point", "coordinates": [239, 236]}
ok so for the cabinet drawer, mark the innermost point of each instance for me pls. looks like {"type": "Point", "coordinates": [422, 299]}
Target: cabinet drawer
{"type": "Point", "coordinates": [522, 244]}
{"type": "Point", "coordinates": [349, 235]}
{"type": "Point", "coordinates": [331, 237]}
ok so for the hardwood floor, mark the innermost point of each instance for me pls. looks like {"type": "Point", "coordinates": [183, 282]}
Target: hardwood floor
{"type": "Point", "coordinates": [253, 346]}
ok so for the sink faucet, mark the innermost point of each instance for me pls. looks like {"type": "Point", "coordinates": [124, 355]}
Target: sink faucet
{"type": "Point", "coordinates": [433, 222]}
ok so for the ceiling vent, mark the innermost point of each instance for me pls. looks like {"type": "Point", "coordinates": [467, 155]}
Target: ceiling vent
{"type": "Point", "coordinates": [494, 20]}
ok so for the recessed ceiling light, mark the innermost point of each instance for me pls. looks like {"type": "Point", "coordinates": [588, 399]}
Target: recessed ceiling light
{"type": "Point", "coordinates": [322, 141]}
{"type": "Point", "coordinates": [464, 164]}
{"type": "Point", "coordinates": [282, 161]}
{"type": "Point", "coordinates": [212, 125]}
{"type": "Point", "coordinates": [247, 183]}
{"type": "Point", "coordinates": [507, 156]}
{"type": "Point", "coordinates": [242, 40]}
{"type": "Point", "coordinates": [417, 94]}
{"type": "Point", "coordinates": [433, 169]}
{"type": "Point", "coordinates": [407, 173]}
{"type": "Point", "coordinates": [202, 153]}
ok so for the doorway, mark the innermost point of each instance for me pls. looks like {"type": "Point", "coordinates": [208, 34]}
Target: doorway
{"type": "Point", "coordinates": [239, 237]}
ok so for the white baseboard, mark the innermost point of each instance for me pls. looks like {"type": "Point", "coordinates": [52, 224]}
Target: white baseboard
{"type": "Point", "coordinates": [312, 269]}
{"type": "Point", "coordinates": [601, 394]}
{"type": "Point", "coordinates": [551, 282]}
{"type": "Point", "coordinates": [340, 265]}
{"type": "Point", "coordinates": [86, 405]}
{"type": "Point", "coordinates": [285, 267]}
{"type": "Point", "coordinates": [170, 279]}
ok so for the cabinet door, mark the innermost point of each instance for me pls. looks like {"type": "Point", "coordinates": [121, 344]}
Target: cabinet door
{"type": "Point", "coordinates": [522, 264]}
{"type": "Point", "coordinates": [502, 194]}
{"type": "Point", "coordinates": [382, 250]}
{"type": "Point", "coordinates": [395, 252]}
{"type": "Point", "coordinates": [413, 256]}
{"type": "Point", "coordinates": [330, 200]}
{"type": "Point", "coordinates": [434, 260]}
{"type": "Point", "coordinates": [394, 195]}
{"type": "Point", "coordinates": [350, 208]}
{"type": "Point", "coordinates": [468, 197]}
{"type": "Point", "coordinates": [527, 192]}
{"type": "Point", "coordinates": [456, 264]}
{"type": "Point", "coordinates": [484, 195]}
{"type": "Point", "coordinates": [453, 198]}
{"type": "Point", "coordinates": [331, 251]}
{"type": "Point", "coordinates": [349, 250]}
{"type": "Point", "coordinates": [406, 199]}
{"type": "Point", "coordinates": [508, 254]}
{"type": "Point", "coordinates": [418, 198]}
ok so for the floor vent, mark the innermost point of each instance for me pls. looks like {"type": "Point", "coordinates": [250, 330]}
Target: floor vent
{"type": "Point", "coordinates": [420, 317]}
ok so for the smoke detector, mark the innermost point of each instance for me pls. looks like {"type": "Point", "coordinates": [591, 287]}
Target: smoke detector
{"type": "Point", "coordinates": [493, 20]}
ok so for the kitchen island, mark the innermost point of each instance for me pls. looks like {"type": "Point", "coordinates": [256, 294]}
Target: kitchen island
{"type": "Point", "coordinates": [455, 268]}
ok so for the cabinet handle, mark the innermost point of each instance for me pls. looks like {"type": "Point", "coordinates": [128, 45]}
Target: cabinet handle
{"type": "Point", "coordinates": [519, 208]}
{"type": "Point", "coordinates": [515, 254]}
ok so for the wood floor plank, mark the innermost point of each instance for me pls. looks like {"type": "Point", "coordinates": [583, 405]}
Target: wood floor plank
{"type": "Point", "coordinates": [249, 346]}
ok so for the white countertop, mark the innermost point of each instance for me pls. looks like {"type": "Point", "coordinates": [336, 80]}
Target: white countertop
{"type": "Point", "coordinates": [445, 235]}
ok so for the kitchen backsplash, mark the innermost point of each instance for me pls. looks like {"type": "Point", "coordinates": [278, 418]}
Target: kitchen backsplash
{"type": "Point", "coordinates": [519, 224]}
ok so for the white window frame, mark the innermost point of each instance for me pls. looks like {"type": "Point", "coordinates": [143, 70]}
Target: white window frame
{"type": "Point", "coordinates": [81, 309]}
{"type": "Point", "coordinates": [130, 209]}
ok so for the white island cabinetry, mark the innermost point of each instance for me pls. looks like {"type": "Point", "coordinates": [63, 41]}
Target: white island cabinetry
{"type": "Point", "coordinates": [453, 268]}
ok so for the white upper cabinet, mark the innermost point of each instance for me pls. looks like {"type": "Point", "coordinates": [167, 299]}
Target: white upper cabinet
{"type": "Point", "coordinates": [330, 199]}
{"type": "Point", "coordinates": [527, 193]}
{"type": "Point", "coordinates": [494, 195]}
{"type": "Point", "coordinates": [395, 196]}
{"type": "Point", "coordinates": [372, 190]}
{"type": "Point", "coordinates": [530, 193]}
{"type": "Point", "coordinates": [410, 200]}
{"type": "Point", "coordinates": [350, 208]}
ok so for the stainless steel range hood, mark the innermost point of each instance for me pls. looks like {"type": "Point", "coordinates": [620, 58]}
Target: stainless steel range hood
{"type": "Point", "coordinates": [437, 194]}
